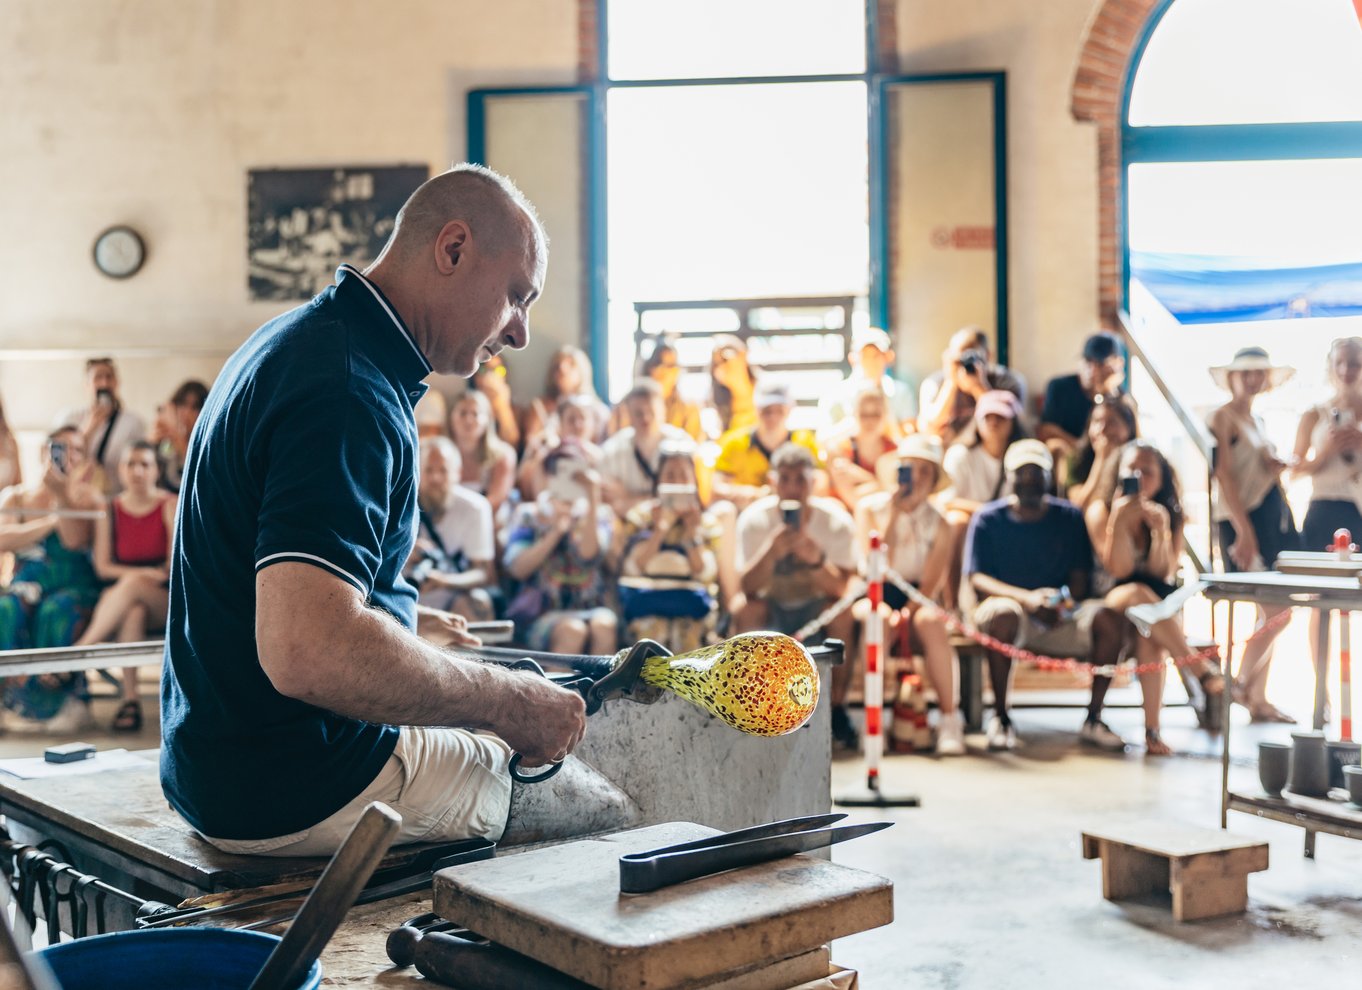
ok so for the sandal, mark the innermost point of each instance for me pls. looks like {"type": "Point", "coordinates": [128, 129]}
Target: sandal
{"type": "Point", "coordinates": [129, 717]}
{"type": "Point", "coordinates": [1154, 744]}
{"type": "Point", "coordinates": [1270, 713]}
{"type": "Point", "coordinates": [1210, 714]}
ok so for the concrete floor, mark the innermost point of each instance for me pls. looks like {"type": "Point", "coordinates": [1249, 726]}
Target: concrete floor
{"type": "Point", "coordinates": [991, 890]}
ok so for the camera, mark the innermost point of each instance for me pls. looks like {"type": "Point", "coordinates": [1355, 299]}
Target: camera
{"type": "Point", "coordinates": [973, 361]}
{"type": "Point", "coordinates": [1130, 484]}
{"type": "Point", "coordinates": [678, 498]}
{"type": "Point", "coordinates": [790, 511]}
{"type": "Point", "coordinates": [906, 477]}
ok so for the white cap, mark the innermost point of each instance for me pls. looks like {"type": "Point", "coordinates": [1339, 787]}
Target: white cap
{"type": "Point", "coordinates": [1027, 452]}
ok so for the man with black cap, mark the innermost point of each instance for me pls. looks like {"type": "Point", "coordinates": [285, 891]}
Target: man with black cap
{"type": "Point", "coordinates": [1069, 398]}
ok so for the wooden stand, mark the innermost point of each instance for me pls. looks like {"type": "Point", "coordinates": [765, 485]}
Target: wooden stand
{"type": "Point", "coordinates": [1205, 870]}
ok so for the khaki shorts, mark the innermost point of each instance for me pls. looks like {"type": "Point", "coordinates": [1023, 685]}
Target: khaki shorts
{"type": "Point", "coordinates": [1072, 638]}
{"type": "Point", "coordinates": [447, 784]}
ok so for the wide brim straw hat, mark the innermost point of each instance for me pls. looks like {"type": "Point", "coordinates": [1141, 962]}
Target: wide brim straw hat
{"type": "Point", "coordinates": [925, 447]}
{"type": "Point", "coordinates": [1251, 359]}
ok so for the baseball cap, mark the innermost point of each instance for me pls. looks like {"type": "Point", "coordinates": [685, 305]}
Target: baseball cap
{"type": "Point", "coordinates": [1025, 452]}
{"type": "Point", "coordinates": [772, 394]}
{"type": "Point", "coordinates": [997, 402]}
{"type": "Point", "coordinates": [1101, 346]}
{"type": "Point", "coordinates": [871, 337]}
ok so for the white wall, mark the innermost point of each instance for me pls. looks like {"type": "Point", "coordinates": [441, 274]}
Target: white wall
{"type": "Point", "coordinates": [1052, 160]}
{"type": "Point", "coordinates": [150, 113]}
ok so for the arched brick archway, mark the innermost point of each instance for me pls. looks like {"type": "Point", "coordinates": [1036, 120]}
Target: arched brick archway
{"type": "Point", "coordinates": [1098, 85]}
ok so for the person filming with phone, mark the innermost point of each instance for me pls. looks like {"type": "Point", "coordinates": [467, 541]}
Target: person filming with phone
{"type": "Point", "coordinates": [107, 428]}
{"type": "Point", "coordinates": [795, 558]}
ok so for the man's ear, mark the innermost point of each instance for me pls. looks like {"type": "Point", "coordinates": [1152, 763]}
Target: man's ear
{"type": "Point", "coordinates": [450, 245]}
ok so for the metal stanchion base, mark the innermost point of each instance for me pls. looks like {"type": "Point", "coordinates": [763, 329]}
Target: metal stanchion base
{"type": "Point", "coordinates": [870, 796]}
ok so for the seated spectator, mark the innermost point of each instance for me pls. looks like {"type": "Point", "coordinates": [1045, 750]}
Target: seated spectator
{"type": "Point", "coordinates": [432, 415]}
{"type": "Point", "coordinates": [974, 463]}
{"type": "Point", "coordinates": [574, 423]}
{"type": "Point", "coordinates": [491, 380]}
{"type": "Point", "coordinates": [852, 463]}
{"type": "Point", "coordinates": [454, 560]}
{"type": "Point", "coordinates": [54, 586]}
{"type": "Point", "coordinates": [744, 462]}
{"type": "Point", "coordinates": [171, 430]}
{"type": "Point", "coordinates": [1092, 469]}
{"type": "Point", "coordinates": [630, 459]}
{"type": "Point", "coordinates": [106, 427]}
{"type": "Point", "coordinates": [1138, 539]}
{"type": "Point", "coordinates": [918, 543]}
{"type": "Point", "coordinates": [872, 363]}
{"type": "Point", "coordinates": [947, 400]}
{"type": "Point", "coordinates": [661, 366]}
{"type": "Point", "coordinates": [132, 550]}
{"type": "Point", "coordinates": [732, 383]}
{"type": "Point", "coordinates": [668, 552]}
{"type": "Point", "coordinates": [555, 548]}
{"type": "Point", "coordinates": [1021, 555]}
{"type": "Point", "coordinates": [569, 373]}
{"type": "Point", "coordinates": [795, 558]}
{"type": "Point", "coordinates": [1069, 398]}
{"type": "Point", "coordinates": [487, 461]}
{"type": "Point", "coordinates": [11, 471]}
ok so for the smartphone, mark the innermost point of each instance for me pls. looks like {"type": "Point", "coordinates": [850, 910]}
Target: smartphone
{"type": "Point", "coordinates": [906, 477]}
{"type": "Point", "coordinates": [57, 449]}
{"type": "Point", "coordinates": [790, 511]}
{"type": "Point", "coordinates": [678, 498]}
{"type": "Point", "coordinates": [562, 486]}
{"type": "Point", "coordinates": [104, 397]}
{"type": "Point", "coordinates": [1130, 484]}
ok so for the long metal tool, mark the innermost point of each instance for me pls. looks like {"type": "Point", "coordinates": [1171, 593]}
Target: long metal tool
{"type": "Point", "coordinates": [329, 901]}
{"type": "Point", "coordinates": [647, 871]}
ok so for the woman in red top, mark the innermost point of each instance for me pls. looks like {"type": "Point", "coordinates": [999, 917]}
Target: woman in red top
{"type": "Point", "coordinates": [852, 463]}
{"type": "Point", "coordinates": [132, 549]}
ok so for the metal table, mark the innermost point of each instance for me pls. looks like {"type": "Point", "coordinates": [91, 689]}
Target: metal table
{"type": "Point", "coordinates": [1325, 594]}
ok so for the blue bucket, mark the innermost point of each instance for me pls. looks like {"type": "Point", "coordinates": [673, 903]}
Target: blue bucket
{"type": "Point", "coordinates": [166, 959]}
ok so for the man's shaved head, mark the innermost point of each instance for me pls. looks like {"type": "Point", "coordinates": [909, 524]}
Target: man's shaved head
{"type": "Point", "coordinates": [497, 213]}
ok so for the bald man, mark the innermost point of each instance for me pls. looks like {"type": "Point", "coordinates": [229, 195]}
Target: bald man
{"type": "Point", "coordinates": [301, 679]}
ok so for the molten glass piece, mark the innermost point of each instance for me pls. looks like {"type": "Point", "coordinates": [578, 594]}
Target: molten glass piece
{"type": "Point", "coordinates": [761, 683]}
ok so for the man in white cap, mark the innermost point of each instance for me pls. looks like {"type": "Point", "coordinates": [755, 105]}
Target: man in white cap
{"type": "Point", "coordinates": [872, 363]}
{"type": "Point", "coordinates": [1030, 560]}
{"type": "Point", "coordinates": [740, 472]}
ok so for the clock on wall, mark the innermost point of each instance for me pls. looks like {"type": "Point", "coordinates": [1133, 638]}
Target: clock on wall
{"type": "Point", "coordinates": [119, 252]}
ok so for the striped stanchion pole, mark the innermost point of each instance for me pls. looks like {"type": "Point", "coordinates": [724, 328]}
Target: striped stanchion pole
{"type": "Point", "coordinates": [1343, 543]}
{"type": "Point", "coordinates": [872, 795]}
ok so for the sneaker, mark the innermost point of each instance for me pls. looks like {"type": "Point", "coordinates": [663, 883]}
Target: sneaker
{"type": "Point", "coordinates": [72, 716]}
{"type": "Point", "coordinates": [1097, 733]}
{"type": "Point", "coordinates": [1000, 736]}
{"type": "Point", "coordinates": [950, 735]}
{"type": "Point", "coordinates": [844, 734]}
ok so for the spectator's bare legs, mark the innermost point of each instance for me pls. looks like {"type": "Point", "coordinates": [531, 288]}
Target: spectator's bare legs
{"type": "Point", "coordinates": [1152, 684]}
{"type": "Point", "coordinates": [604, 634]}
{"type": "Point", "coordinates": [1109, 632]}
{"type": "Point", "coordinates": [959, 525]}
{"type": "Point", "coordinates": [569, 636]}
{"type": "Point", "coordinates": [1250, 684]}
{"type": "Point", "coordinates": [752, 617]}
{"type": "Point", "coordinates": [1005, 626]}
{"type": "Point", "coordinates": [1168, 636]}
{"type": "Point", "coordinates": [133, 630]}
{"type": "Point", "coordinates": [942, 668]}
{"type": "Point", "coordinates": [137, 588]}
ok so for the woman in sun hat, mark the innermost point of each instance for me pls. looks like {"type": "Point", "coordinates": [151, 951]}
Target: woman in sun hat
{"type": "Point", "coordinates": [918, 542]}
{"type": "Point", "coordinates": [1255, 522]}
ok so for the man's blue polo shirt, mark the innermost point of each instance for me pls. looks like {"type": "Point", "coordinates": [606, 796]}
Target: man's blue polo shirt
{"type": "Point", "coordinates": [305, 451]}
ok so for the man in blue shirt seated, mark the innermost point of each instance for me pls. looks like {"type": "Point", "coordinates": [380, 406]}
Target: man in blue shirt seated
{"type": "Point", "coordinates": [1030, 561]}
{"type": "Point", "coordinates": [301, 679]}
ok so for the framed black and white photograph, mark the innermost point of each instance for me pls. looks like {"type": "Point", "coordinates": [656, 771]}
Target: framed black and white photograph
{"type": "Point", "coordinates": [303, 222]}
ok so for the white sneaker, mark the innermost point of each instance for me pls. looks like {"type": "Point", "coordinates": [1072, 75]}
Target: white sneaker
{"type": "Point", "coordinates": [1099, 734]}
{"type": "Point", "coordinates": [1001, 737]}
{"type": "Point", "coordinates": [950, 735]}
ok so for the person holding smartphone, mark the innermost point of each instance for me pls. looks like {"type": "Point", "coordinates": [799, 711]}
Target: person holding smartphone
{"type": "Point", "coordinates": [795, 558]}
{"type": "Point", "coordinates": [107, 428]}
{"type": "Point", "coordinates": [631, 459]}
{"type": "Point", "coordinates": [919, 545]}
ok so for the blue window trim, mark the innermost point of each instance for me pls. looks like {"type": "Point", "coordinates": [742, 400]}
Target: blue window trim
{"type": "Point", "coordinates": [598, 247]}
{"type": "Point", "coordinates": [1214, 142]}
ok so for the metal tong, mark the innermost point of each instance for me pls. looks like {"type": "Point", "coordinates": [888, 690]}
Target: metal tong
{"type": "Point", "coordinates": [599, 679]}
{"type": "Point", "coordinates": [646, 871]}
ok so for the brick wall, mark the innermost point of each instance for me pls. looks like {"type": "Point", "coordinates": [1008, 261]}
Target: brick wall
{"type": "Point", "coordinates": [1098, 83]}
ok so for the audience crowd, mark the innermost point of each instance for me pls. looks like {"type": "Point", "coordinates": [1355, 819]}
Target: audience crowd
{"type": "Point", "coordinates": [591, 527]}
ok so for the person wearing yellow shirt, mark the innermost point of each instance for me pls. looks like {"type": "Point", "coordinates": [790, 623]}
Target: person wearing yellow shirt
{"type": "Point", "coordinates": [744, 462]}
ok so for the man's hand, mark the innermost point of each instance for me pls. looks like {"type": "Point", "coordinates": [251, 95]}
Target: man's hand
{"type": "Point", "coordinates": [807, 550]}
{"type": "Point", "coordinates": [547, 722]}
{"type": "Point", "coordinates": [1037, 605]}
{"type": "Point", "coordinates": [443, 628]}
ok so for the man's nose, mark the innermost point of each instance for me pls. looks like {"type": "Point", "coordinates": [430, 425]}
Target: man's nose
{"type": "Point", "coordinates": [516, 336]}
